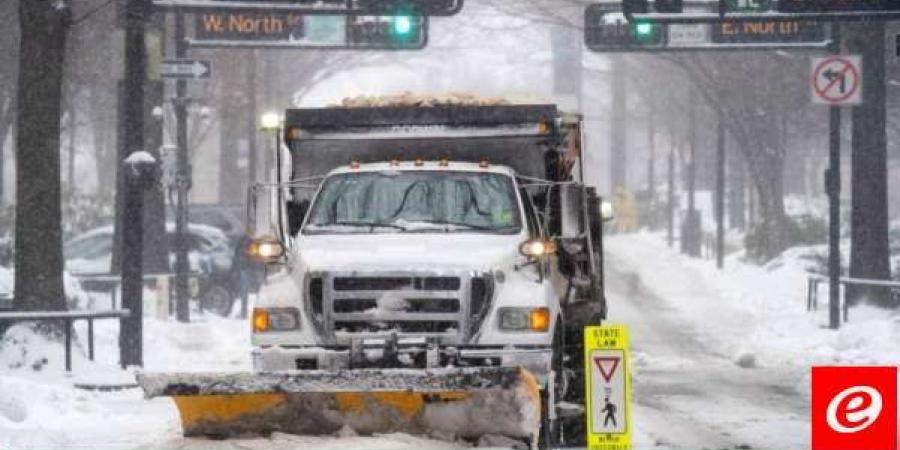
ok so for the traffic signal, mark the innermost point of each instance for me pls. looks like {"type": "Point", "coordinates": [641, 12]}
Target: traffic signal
{"type": "Point", "coordinates": [630, 7]}
{"type": "Point", "coordinates": [389, 32]}
{"type": "Point", "coordinates": [401, 27]}
{"type": "Point", "coordinates": [669, 6]}
{"type": "Point", "coordinates": [646, 33]}
{"type": "Point", "coordinates": [607, 30]}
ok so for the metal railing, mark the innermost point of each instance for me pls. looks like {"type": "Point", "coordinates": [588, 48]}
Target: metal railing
{"type": "Point", "coordinates": [110, 283]}
{"type": "Point", "coordinates": [67, 317]}
{"type": "Point", "coordinates": [812, 289]}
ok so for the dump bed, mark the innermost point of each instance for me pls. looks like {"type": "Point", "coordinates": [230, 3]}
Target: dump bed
{"type": "Point", "coordinates": [524, 137]}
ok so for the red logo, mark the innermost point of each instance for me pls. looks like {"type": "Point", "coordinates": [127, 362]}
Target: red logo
{"type": "Point", "coordinates": [854, 408]}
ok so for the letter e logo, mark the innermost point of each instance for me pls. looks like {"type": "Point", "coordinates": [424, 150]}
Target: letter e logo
{"type": "Point", "coordinates": [854, 408]}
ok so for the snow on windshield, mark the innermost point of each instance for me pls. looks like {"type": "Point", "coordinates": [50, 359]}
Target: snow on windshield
{"type": "Point", "coordinates": [408, 201]}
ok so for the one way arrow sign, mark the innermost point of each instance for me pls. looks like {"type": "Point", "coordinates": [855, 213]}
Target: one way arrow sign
{"type": "Point", "coordinates": [185, 68]}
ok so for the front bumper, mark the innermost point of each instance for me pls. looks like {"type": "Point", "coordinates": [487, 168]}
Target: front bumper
{"type": "Point", "coordinates": [279, 358]}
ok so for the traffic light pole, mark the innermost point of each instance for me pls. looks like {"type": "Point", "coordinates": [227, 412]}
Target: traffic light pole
{"type": "Point", "coordinates": [183, 183]}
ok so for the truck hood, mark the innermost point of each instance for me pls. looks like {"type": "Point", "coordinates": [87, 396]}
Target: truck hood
{"type": "Point", "coordinates": [404, 251]}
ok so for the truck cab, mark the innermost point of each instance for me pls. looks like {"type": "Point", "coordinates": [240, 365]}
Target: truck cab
{"type": "Point", "coordinates": [409, 256]}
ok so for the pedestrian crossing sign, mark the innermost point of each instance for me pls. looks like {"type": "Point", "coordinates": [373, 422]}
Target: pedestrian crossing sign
{"type": "Point", "coordinates": [608, 387]}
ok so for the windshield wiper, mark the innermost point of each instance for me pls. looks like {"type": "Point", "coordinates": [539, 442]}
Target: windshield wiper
{"type": "Point", "coordinates": [371, 225]}
{"type": "Point", "coordinates": [469, 226]}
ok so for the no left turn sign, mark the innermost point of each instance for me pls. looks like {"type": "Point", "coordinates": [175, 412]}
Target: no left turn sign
{"type": "Point", "coordinates": [837, 80]}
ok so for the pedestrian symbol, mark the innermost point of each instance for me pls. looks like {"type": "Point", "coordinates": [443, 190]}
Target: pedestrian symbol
{"type": "Point", "coordinates": [837, 80]}
{"type": "Point", "coordinates": [607, 382]}
{"type": "Point", "coordinates": [610, 409]}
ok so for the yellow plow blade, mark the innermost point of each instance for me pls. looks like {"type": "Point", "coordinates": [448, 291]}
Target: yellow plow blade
{"type": "Point", "coordinates": [466, 403]}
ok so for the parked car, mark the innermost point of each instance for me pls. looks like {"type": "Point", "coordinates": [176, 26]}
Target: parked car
{"type": "Point", "coordinates": [230, 220]}
{"type": "Point", "coordinates": [209, 254]}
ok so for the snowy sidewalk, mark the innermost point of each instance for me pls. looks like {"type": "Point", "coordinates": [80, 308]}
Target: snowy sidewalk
{"type": "Point", "coordinates": [751, 310]}
{"type": "Point", "coordinates": [722, 359]}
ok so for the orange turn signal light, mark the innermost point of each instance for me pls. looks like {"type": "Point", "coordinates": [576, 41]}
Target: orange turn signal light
{"type": "Point", "coordinates": [540, 319]}
{"type": "Point", "coordinates": [260, 320]}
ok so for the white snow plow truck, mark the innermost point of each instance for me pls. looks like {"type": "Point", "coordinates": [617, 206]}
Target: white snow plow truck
{"type": "Point", "coordinates": [430, 271]}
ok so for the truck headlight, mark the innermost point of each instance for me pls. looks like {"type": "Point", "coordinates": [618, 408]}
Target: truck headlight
{"type": "Point", "coordinates": [275, 319]}
{"type": "Point", "coordinates": [537, 248]}
{"type": "Point", "coordinates": [266, 250]}
{"type": "Point", "coordinates": [525, 319]}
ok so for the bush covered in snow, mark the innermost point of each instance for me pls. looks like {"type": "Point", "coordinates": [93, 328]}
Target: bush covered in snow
{"type": "Point", "coordinates": [802, 230]}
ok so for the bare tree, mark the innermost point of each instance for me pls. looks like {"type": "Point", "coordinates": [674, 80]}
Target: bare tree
{"type": "Point", "coordinates": [44, 26]}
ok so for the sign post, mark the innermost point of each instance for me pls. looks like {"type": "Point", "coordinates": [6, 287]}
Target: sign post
{"type": "Point", "coordinates": [830, 88]}
{"type": "Point", "coordinates": [607, 387]}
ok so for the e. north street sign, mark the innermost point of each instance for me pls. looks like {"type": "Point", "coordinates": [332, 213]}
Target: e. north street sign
{"type": "Point", "coordinates": [767, 31]}
{"type": "Point", "coordinates": [185, 69]}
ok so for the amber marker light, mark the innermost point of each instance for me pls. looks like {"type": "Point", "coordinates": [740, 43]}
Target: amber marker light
{"type": "Point", "coordinates": [260, 320]}
{"type": "Point", "coordinates": [540, 319]}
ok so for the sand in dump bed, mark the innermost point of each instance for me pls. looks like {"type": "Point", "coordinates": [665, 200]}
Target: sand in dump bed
{"type": "Point", "coordinates": [421, 99]}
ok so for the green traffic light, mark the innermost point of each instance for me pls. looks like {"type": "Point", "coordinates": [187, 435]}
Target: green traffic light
{"type": "Point", "coordinates": [643, 29]}
{"type": "Point", "coordinates": [646, 33]}
{"type": "Point", "coordinates": [402, 26]}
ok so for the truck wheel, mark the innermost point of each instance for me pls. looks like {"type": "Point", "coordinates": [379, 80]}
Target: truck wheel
{"type": "Point", "coordinates": [218, 299]}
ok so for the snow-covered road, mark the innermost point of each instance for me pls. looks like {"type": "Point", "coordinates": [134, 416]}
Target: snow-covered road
{"type": "Point", "coordinates": [687, 393]}
{"type": "Point", "coordinates": [721, 360]}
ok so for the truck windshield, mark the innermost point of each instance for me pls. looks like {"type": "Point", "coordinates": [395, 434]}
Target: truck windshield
{"type": "Point", "coordinates": [407, 201]}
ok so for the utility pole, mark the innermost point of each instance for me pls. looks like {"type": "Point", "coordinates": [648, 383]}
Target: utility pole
{"type": "Point", "coordinates": [720, 192]}
{"type": "Point", "coordinates": [183, 182]}
{"type": "Point", "coordinates": [618, 163]}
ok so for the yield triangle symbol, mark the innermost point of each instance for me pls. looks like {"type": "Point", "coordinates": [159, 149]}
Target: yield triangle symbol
{"type": "Point", "coordinates": [607, 366]}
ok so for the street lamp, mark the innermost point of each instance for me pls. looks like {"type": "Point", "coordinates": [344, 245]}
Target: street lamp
{"type": "Point", "coordinates": [270, 121]}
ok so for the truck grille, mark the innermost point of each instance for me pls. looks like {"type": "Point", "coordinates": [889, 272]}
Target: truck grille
{"type": "Point", "coordinates": [376, 304]}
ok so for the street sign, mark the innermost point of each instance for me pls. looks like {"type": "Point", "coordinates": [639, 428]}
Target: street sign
{"type": "Point", "coordinates": [185, 69]}
{"type": "Point", "coordinates": [837, 80]}
{"type": "Point", "coordinates": [837, 6]}
{"type": "Point", "coordinates": [291, 30]}
{"type": "Point", "coordinates": [607, 387]}
{"type": "Point", "coordinates": [323, 7]}
{"type": "Point", "coordinates": [686, 35]}
{"type": "Point", "coordinates": [767, 31]}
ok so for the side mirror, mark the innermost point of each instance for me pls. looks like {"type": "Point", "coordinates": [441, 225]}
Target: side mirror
{"type": "Point", "coordinates": [296, 212]}
{"type": "Point", "coordinates": [571, 210]}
